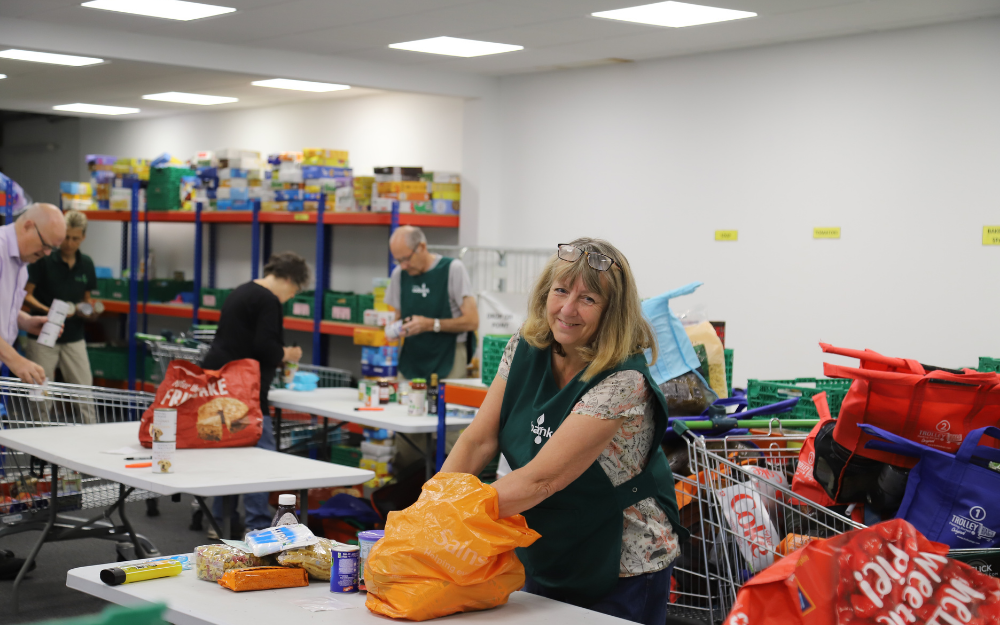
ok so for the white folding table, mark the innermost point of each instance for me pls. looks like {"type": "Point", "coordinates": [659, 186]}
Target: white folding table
{"type": "Point", "coordinates": [340, 404]}
{"type": "Point", "coordinates": [199, 472]}
{"type": "Point", "coordinates": [191, 601]}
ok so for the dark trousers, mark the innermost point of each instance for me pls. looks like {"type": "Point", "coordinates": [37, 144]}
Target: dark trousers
{"type": "Point", "coordinates": [641, 599]}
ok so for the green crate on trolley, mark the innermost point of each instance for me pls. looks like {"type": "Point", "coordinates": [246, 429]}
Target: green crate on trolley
{"type": "Point", "coordinates": [729, 370]}
{"type": "Point", "coordinates": [493, 346]}
{"type": "Point", "coordinates": [988, 365]}
{"type": "Point", "coordinates": [213, 299]}
{"type": "Point", "coordinates": [766, 392]}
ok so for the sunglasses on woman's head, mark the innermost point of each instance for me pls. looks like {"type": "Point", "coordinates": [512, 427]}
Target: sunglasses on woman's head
{"type": "Point", "coordinates": [572, 253]}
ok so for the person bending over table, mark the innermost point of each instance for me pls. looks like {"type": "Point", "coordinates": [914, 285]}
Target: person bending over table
{"type": "Point", "coordinates": [68, 276]}
{"type": "Point", "coordinates": [36, 233]}
{"type": "Point", "coordinates": [575, 412]}
{"type": "Point", "coordinates": [251, 326]}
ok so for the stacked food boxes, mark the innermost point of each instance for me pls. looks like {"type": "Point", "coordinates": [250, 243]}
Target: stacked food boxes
{"type": "Point", "coordinates": [398, 187]}
{"type": "Point", "coordinates": [76, 195]}
{"type": "Point", "coordinates": [336, 183]}
{"type": "Point", "coordinates": [285, 184]}
{"type": "Point", "coordinates": [363, 192]}
{"type": "Point", "coordinates": [446, 193]}
{"type": "Point", "coordinates": [101, 178]}
{"type": "Point", "coordinates": [240, 179]}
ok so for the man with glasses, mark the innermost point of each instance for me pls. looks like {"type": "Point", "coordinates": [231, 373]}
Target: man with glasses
{"type": "Point", "coordinates": [433, 295]}
{"type": "Point", "coordinates": [34, 234]}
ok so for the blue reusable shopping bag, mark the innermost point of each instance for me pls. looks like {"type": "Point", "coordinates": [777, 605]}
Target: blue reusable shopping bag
{"type": "Point", "coordinates": [949, 498]}
{"type": "Point", "coordinates": [676, 354]}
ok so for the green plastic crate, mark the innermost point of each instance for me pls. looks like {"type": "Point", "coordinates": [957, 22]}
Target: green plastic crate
{"type": "Point", "coordinates": [167, 290]}
{"type": "Point", "coordinates": [344, 455]}
{"type": "Point", "coordinates": [493, 346]}
{"type": "Point", "coordinates": [301, 306]}
{"type": "Point", "coordinates": [766, 392]}
{"type": "Point", "coordinates": [989, 365]}
{"type": "Point", "coordinates": [143, 615]}
{"type": "Point", "coordinates": [115, 289]}
{"type": "Point", "coordinates": [365, 301]}
{"type": "Point", "coordinates": [729, 370]}
{"type": "Point", "coordinates": [110, 363]}
{"type": "Point", "coordinates": [164, 190]}
{"type": "Point", "coordinates": [340, 306]}
{"type": "Point", "coordinates": [213, 299]}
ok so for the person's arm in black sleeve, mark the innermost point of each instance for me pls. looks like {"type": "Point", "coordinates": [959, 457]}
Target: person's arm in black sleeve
{"type": "Point", "coordinates": [269, 347]}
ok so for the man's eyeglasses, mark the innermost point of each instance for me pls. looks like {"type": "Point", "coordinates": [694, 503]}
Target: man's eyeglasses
{"type": "Point", "coordinates": [45, 246]}
{"type": "Point", "coordinates": [405, 259]}
{"type": "Point", "coordinates": [598, 261]}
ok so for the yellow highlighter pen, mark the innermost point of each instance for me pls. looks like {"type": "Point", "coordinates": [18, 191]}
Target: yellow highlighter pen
{"type": "Point", "coordinates": [140, 572]}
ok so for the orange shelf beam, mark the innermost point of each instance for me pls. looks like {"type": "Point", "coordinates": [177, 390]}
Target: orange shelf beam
{"type": "Point", "coordinates": [464, 395]}
{"type": "Point", "coordinates": [184, 311]}
{"type": "Point", "coordinates": [244, 217]}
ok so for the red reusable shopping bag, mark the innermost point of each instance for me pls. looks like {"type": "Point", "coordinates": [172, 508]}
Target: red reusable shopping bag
{"type": "Point", "coordinates": [803, 482]}
{"type": "Point", "coordinates": [934, 407]}
{"type": "Point", "coordinates": [214, 408]}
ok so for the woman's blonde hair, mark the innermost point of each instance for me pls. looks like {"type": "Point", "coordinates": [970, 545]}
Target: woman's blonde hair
{"type": "Point", "coordinates": [76, 219]}
{"type": "Point", "coordinates": [623, 330]}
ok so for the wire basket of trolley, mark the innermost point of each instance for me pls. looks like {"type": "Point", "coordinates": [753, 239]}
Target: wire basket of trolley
{"type": "Point", "coordinates": [164, 351]}
{"type": "Point", "coordinates": [40, 496]}
{"type": "Point", "coordinates": [743, 515]}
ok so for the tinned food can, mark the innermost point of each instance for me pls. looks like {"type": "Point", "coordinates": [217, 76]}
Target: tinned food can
{"type": "Point", "coordinates": [367, 540]}
{"type": "Point", "coordinates": [344, 568]}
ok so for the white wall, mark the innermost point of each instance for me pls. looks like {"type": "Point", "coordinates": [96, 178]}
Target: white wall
{"type": "Point", "coordinates": [894, 137]}
{"type": "Point", "coordinates": [41, 152]}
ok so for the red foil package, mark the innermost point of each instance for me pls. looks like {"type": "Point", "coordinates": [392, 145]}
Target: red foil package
{"type": "Point", "coordinates": [887, 574]}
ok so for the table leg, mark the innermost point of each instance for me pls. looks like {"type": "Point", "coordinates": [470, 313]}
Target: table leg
{"type": "Point", "coordinates": [304, 506]}
{"type": "Point", "coordinates": [277, 429]}
{"type": "Point", "coordinates": [227, 522]}
{"type": "Point", "coordinates": [208, 515]}
{"type": "Point", "coordinates": [122, 495]}
{"type": "Point", "coordinates": [53, 511]}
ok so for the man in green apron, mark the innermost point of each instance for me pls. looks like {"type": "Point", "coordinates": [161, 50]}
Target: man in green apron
{"type": "Point", "coordinates": [433, 295]}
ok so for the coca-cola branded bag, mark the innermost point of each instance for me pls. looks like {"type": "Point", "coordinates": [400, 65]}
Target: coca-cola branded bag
{"type": "Point", "coordinates": [887, 574]}
{"type": "Point", "coordinates": [932, 406]}
{"type": "Point", "coordinates": [214, 408]}
{"type": "Point", "coordinates": [953, 499]}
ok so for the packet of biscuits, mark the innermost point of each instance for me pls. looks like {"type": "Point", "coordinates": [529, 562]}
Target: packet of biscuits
{"type": "Point", "coordinates": [214, 408]}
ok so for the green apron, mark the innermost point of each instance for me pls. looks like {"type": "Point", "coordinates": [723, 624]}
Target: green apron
{"type": "Point", "coordinates": [427, 295]}
{"type": "Point", "coordinates": [578, 557]}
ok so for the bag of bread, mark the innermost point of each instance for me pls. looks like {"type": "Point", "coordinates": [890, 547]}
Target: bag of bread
{"type": "Point", "coordinates": [214, 408]}
{"type": "Point", "coordinates": [704, 334]}
{"type": "Point", "coordinates": [316, 559]}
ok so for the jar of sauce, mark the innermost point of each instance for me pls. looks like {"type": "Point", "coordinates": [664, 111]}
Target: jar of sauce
{"type": "Point", "coordinates": [418, 398]}
{"type": "Point", "coordinates": [383, 391]}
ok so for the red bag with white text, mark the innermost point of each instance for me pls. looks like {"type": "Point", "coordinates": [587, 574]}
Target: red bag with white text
{"type": "Point", "coordinates": [887, 574]}
{"type": "Point", "coordinates": [214, 408]}
{"type": "Point", "coordinates": [803, 481]}
{"type": "Point", "coordinates": [933, 406]}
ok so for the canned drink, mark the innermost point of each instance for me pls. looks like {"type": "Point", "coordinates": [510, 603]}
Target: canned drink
{"type": "Point", "coordinates": [344, 568]}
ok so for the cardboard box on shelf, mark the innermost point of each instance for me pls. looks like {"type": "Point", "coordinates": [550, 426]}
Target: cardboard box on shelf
{"type": "Point", "coordinates": [379, 317]}
{"type": "Point", "coordinates": [446, 177]}
{"type": "Point", "coordinates": [445, 207]}
{"type": "Point", "coordinates": [374, 337]}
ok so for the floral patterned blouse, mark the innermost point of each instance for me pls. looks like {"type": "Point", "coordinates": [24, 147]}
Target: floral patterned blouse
{"type": "Point", "coordinates": [648, 541]}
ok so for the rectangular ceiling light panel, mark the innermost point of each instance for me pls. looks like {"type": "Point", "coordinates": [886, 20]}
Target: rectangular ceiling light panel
{"type": "Point", "coordinates": [454, 46]}
{"type": "Point", "coordinates": [166, 9]}
{"type": "Point", "coordinates": [674, 14]}
{"type": "Point", "coordinates": [299, 85]}
{"type": "Point", "coordinates": [190, 98]}
{"type": "Point", "coordinates": [48, 57]}
{"type": "Point", "coordinates": [95, 109]}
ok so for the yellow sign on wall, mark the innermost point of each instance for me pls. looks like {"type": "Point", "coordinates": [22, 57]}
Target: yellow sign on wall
{"type": "Point", "coordinates": [826, 233]}
{"type": "Point", "coordinates": [991, 235]}
{"type": "Point", "coordinates": [726, 235]}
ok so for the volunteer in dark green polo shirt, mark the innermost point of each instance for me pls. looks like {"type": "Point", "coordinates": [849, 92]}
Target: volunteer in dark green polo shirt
{"type": "Point", "coordinates": [69, 276]}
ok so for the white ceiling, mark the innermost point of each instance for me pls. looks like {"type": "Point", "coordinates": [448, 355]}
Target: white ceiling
{"type": "Point", "coordinates": [346, 41]}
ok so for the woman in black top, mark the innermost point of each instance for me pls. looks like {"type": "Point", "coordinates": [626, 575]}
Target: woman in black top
{"type": "Point", "coordinates": [250, 326]}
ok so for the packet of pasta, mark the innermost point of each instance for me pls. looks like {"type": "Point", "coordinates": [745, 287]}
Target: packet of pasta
{"type": "Point", "coordinates": [264, 578]}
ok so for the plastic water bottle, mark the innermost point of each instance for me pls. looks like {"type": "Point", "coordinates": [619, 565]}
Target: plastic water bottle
{"type": "Point", "coordinates": [394, 329]}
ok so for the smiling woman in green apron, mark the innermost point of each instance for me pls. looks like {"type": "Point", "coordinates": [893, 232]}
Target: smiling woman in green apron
{"type": "Point", "coordinates": [576, 414]}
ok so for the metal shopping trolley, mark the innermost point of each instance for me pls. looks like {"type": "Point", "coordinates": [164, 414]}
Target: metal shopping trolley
{"type": "Point", "coordinates": [39, 496]}
{"type": "Point", "coordinates": [165, 351]}
{"type": "Point", "coordinates": [296, 432]}
{"type": "Point", "coordinates": [744, 516]}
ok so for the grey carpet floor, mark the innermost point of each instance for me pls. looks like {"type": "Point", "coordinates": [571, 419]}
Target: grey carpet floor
{"type": "Point", "coordinates": [44, 595]}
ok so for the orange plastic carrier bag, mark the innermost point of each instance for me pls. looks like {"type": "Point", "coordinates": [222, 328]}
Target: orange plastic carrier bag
{"type": "Point", "coordinates": [449, 552]}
